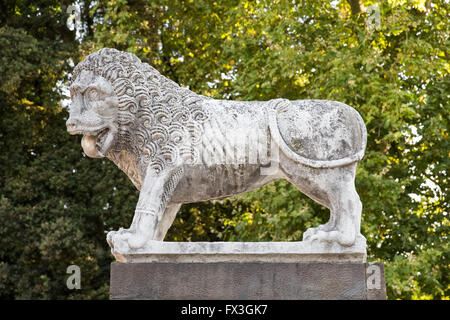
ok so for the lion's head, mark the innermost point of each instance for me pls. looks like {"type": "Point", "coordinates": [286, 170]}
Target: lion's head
{"type": "Point", "coordinates": [93, 113]}
{"type": "Point", "coordinates": [121, 104]}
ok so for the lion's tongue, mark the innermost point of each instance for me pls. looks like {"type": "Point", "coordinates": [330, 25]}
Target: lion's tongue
{"type": "Point", "coordinates": [88, 144]}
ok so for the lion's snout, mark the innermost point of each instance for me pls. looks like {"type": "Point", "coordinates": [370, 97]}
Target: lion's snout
{"type": "Point", "coordinates": [71, 125]}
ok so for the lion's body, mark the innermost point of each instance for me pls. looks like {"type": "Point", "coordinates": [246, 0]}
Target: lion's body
{"type": "Point", "coordinates": [179, 147]}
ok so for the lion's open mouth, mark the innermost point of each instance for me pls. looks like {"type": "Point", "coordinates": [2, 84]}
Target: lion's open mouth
{"type": "Point", "coordinates": [93, 142]}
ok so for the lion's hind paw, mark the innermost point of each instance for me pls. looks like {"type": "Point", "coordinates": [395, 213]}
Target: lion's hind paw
{"type": "Point", "coordinates": [344, 239]}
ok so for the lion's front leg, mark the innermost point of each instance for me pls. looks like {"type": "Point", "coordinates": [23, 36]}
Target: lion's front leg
{"type": "Point", "coordinates": [156, 192]}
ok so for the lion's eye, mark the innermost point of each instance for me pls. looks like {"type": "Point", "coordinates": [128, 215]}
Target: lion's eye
{"type": "Point", "coordinates": [92, 94]}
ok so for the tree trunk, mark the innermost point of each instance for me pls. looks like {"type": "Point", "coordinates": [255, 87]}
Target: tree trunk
{"type": "Point", "coordinates": [355, 6]}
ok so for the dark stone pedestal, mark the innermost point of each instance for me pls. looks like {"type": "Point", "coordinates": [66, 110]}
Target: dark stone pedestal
{"type": "Point", "coordinates": [247, 280]}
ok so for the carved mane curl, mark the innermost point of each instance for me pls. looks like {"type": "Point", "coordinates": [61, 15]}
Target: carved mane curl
{"type": "Point", "coordinates": [158, 121]}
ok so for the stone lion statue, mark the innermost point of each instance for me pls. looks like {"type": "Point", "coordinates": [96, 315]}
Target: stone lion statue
{"type": "Point", "coordinates": [179, 147]}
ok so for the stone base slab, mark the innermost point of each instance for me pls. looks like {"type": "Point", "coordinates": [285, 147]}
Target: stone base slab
{"type": "Point", "coordinates": [247, 281]}
{"type": "Point", "coordinates": [295, 251]}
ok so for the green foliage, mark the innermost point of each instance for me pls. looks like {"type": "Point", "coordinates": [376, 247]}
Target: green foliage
{"type": "Point", "coordinates": [57, 204]}
{"type": "Point", "coordinates": [419, 276]}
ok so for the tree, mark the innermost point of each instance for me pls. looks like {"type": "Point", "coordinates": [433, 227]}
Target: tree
{"type": "Point", "coordinates": [395, 75]}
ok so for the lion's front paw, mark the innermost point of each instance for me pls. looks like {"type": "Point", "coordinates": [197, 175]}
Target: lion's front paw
{"type": "Point", "coordinates": [118, 240]}
{"type": "Point", "coordinates": [125, 240]}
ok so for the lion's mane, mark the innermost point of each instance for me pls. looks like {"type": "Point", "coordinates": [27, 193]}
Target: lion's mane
{"type": "Point", "coordinates": [158, 121]}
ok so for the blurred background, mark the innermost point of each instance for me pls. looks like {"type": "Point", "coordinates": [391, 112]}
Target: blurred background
{"type": "Point", "coordinates": [387, 59]}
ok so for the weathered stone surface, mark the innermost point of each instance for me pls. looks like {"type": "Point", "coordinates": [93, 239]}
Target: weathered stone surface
{"type": "Point", "coordinates": [179, 147]}
{"type": "Point", "coordinates": [242, 281]}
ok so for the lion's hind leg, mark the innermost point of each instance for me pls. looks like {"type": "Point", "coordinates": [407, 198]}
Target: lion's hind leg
{"type": "Point", "coordinates": [320, 195]}
{"type": "Point", "coordinates": [333, 188]}
{"type": "Point", "coordinates": [345, 208]}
